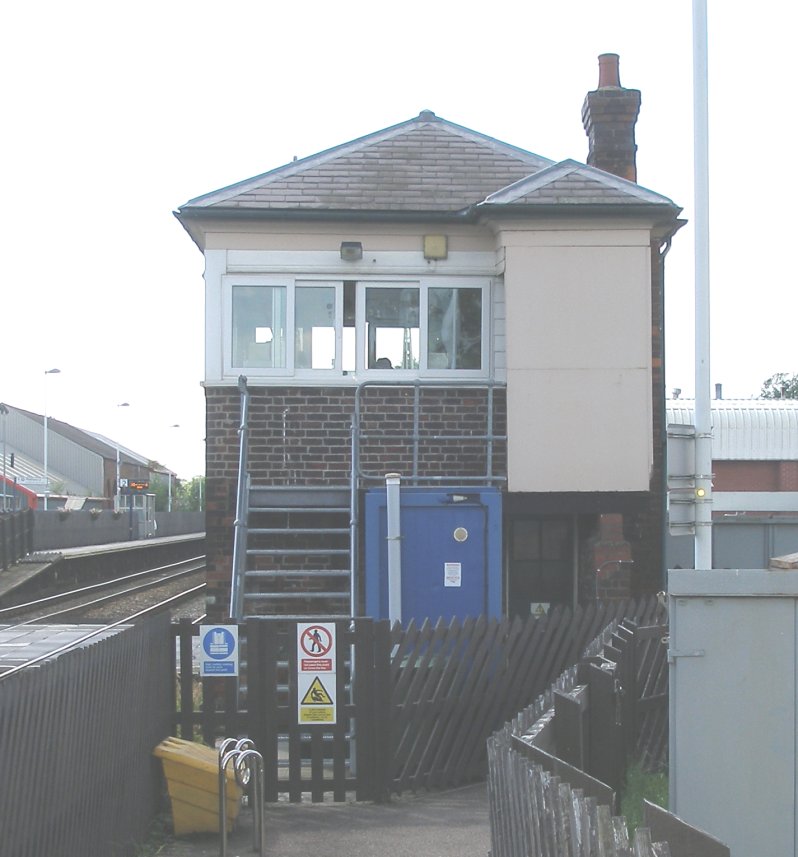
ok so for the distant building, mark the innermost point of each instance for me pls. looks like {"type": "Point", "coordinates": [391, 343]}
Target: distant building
{"type": "Point", "coordinates": [755, 481]}
{"type": "Point", "coordinates": [81, 465]}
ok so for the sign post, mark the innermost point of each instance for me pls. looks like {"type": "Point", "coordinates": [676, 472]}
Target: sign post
{"type": "Point", "coordinates": [316, 672]}
{"type": "Point", "coordinates": [218, 650]}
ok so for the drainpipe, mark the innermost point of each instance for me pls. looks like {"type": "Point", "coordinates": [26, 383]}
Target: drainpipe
{"type": "Point", "coordinates": [392, 491]}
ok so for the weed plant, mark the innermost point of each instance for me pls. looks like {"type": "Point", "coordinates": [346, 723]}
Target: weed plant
{"type": "Point", "coordinates": [641, 785]}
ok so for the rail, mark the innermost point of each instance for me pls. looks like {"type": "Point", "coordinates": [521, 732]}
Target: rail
{"type": "Point", "coordinates": [134, 583]}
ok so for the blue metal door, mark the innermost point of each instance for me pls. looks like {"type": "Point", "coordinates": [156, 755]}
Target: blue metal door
{"type": "Point", "coordinates": [451, 554]}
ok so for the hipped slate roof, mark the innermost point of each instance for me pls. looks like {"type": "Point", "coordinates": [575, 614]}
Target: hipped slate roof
{"type": "Point", "coordinates": [425, 165]}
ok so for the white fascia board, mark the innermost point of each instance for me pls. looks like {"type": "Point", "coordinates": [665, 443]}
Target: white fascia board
{"type": "Point", "coordinates": [755, 501]}
{"type": "Point", "coordinates": [329, 263]}
{"type": "Point", "coordinates": [215, 264]}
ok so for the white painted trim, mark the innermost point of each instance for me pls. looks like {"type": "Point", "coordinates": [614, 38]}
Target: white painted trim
{"type": "Point", "coordinates": [215, 262]}
{"type": "Point", "coordinates": [219, 329]}
{"type": "Point", "coordinates": [380, 262]}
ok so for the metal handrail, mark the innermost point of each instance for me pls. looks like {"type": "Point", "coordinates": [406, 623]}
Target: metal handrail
{"type": "Point", "coordinates": [419, 384]}
{"type": "Point", "coordinates": [242, 508]}
{"type": "Point", "coordinates": [357, 474]}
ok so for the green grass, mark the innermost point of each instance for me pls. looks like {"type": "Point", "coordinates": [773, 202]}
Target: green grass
{"type": "Point", "coordinates": [641, 785]}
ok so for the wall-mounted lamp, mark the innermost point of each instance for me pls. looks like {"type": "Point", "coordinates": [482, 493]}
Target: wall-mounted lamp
{"type": "Point", "coordinates": [351, 251]}
{"type": "Point", "coordinates": [436, 247]}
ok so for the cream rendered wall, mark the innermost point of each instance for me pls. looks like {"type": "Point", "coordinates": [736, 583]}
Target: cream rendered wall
{"type": "Point", "coordinates": [578, 305]}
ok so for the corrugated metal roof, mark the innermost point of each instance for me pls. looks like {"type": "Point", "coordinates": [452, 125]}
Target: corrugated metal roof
{"type": "Point", "coordinates": [746, 429]}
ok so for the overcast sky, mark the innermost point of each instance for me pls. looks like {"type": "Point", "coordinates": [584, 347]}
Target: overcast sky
{"type": "Point", "coordinates": [115, 114]}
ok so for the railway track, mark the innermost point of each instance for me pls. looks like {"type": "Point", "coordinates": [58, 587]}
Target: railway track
{"type": "Point", "coordinates": [127, 598]}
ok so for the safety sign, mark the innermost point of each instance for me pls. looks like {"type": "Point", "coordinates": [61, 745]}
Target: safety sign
{"type": "Point", "coordinates": [218, 650]}
{"type": "Point", "coordinates": [316, 648]}
{"type": "Point", "coordinates": [316, 672]}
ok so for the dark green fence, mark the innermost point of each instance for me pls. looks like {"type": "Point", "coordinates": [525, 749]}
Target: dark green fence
{"type": "Point", "coordinates": [16, 536]}
{"type": "Point", "coordinates": [76, 740]}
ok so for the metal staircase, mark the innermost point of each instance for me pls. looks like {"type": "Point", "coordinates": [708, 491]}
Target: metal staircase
{"type": "Point", "coordinates": [297, 554]}
{"type": "Point", "coordinates": [292, 545]}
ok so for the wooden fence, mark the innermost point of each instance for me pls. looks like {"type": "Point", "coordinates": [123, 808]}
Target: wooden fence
{"type": "Point", "coordinates": [424, 701]}
{"type": "Point", "coordinates": [16, 536]}
{"type": "Point", "coordinates": [76, 740]}
{"type": "Point", "coordinates": [554, 771]}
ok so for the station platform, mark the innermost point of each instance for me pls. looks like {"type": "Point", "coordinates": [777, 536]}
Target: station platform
{"type": "Point", "coordinates": [22, 643]}
{"type": "Point", "coordinates": [34, 564]}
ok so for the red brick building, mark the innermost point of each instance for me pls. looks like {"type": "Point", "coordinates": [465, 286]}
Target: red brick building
{"type": "Point", "coordinates": [485, 322]}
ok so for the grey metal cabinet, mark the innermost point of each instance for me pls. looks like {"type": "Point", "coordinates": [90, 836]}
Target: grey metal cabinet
{"type": "Point", "coordinates": [733, 660]}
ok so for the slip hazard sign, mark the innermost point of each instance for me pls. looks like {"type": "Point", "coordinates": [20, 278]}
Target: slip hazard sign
{"type": "Point", "coordinates": [316, 673]}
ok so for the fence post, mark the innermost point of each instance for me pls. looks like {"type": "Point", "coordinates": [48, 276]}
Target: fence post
{"type": "Point", "coordinates": [383, 713]}
{"type": "Point", "coordinates": [605, 758]}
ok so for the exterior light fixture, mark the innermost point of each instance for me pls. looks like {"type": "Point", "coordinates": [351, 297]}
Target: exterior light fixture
{"type": "Point", "coordinates": [436, 247]}
{"type": "Point", "coordinates": [351, 251]}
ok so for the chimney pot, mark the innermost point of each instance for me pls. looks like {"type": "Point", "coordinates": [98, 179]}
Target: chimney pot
{"type": "Point", "coordinates": [609, 115]}
{"type": "Point", "coordinates": [609, 74]}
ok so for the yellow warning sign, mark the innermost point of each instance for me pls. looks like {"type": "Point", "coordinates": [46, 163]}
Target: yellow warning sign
{"type": "Point", "coordinates": [317, 715]}
{"type": "Point", "coordinates": [316, 694]}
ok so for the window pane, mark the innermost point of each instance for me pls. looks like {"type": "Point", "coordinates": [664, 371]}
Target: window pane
{"type": "Point", "coordinates": [314, 342]}
{"type": "Point", "coordinates": [259, 326]}
{"type": "Point", "coordinates": [454, 329]}
{"type": "Point", "coordinates": [392, 334]}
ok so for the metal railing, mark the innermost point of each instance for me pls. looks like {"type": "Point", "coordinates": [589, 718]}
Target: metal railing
{"type": "Point", "coordinates": [242, 508]}
{"type": "Point", "coordinates": [417, 437]}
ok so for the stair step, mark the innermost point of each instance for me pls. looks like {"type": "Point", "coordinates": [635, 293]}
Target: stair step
{"type": "Point", "coordinates": [343, 510]}
{"type": "Point", "coordinates": [298, 552]}
{"type": "Point", "coordinates": [298, 496]}
{"type": "Point", "coordinates": [299, 617]}
{"type": "Point", "coordinates": [286, 596]}
{"type": "Point", "coordinates": [326, 572]}
{"type": "Point", "coordinates": [309, 531]}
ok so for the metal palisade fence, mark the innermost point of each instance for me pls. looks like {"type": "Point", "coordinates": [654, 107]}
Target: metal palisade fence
{"type": "Point", "coordinates": [414, 705]}
{"type": "Point", "coordinates": [76, 740]}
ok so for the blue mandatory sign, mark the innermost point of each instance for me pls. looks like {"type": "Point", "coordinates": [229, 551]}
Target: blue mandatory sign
{"type": "Point", "coordinates": [219, 643]}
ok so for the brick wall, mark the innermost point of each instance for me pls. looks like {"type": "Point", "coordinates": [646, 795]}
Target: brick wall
{"type": "Point", "coordinates": [302, 436]}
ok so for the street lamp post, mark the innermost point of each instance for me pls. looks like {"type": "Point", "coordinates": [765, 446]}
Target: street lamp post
{"type": "Point", "coordinates": [4, 415]}
{"type": "Point", "coordinates": [46, 476]}
{"type": "Point", "coordinates": [118, 461]}
{"type": "Point", "coordinates": [169, 478]}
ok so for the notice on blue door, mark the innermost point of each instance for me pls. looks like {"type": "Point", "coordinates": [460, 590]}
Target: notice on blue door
{"type": "Point", "coordinates": [452, 574]}
{"type": "Point", "coordinates": [218, 650]}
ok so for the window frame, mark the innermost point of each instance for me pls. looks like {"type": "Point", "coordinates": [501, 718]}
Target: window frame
{"type": "Point", "coordinates": [293, 281]}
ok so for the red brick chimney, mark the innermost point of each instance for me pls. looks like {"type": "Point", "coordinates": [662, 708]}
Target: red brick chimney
{"type": "Point", "coordinates": [609, 115]}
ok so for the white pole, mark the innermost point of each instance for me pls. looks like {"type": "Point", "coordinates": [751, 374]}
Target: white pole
{"type": "Point", "coordinates": [4, 415]}
{"type": "Point", "coordinates": [117, 495]}
{"type": "Point", "coordinates": [703, 404]}
{"type": "Point", "coordinates": [116, 491]}
{"type": "Point", "coordinates": [46, 476]}
{"type": "Point", "coordinates": [393, 499]}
